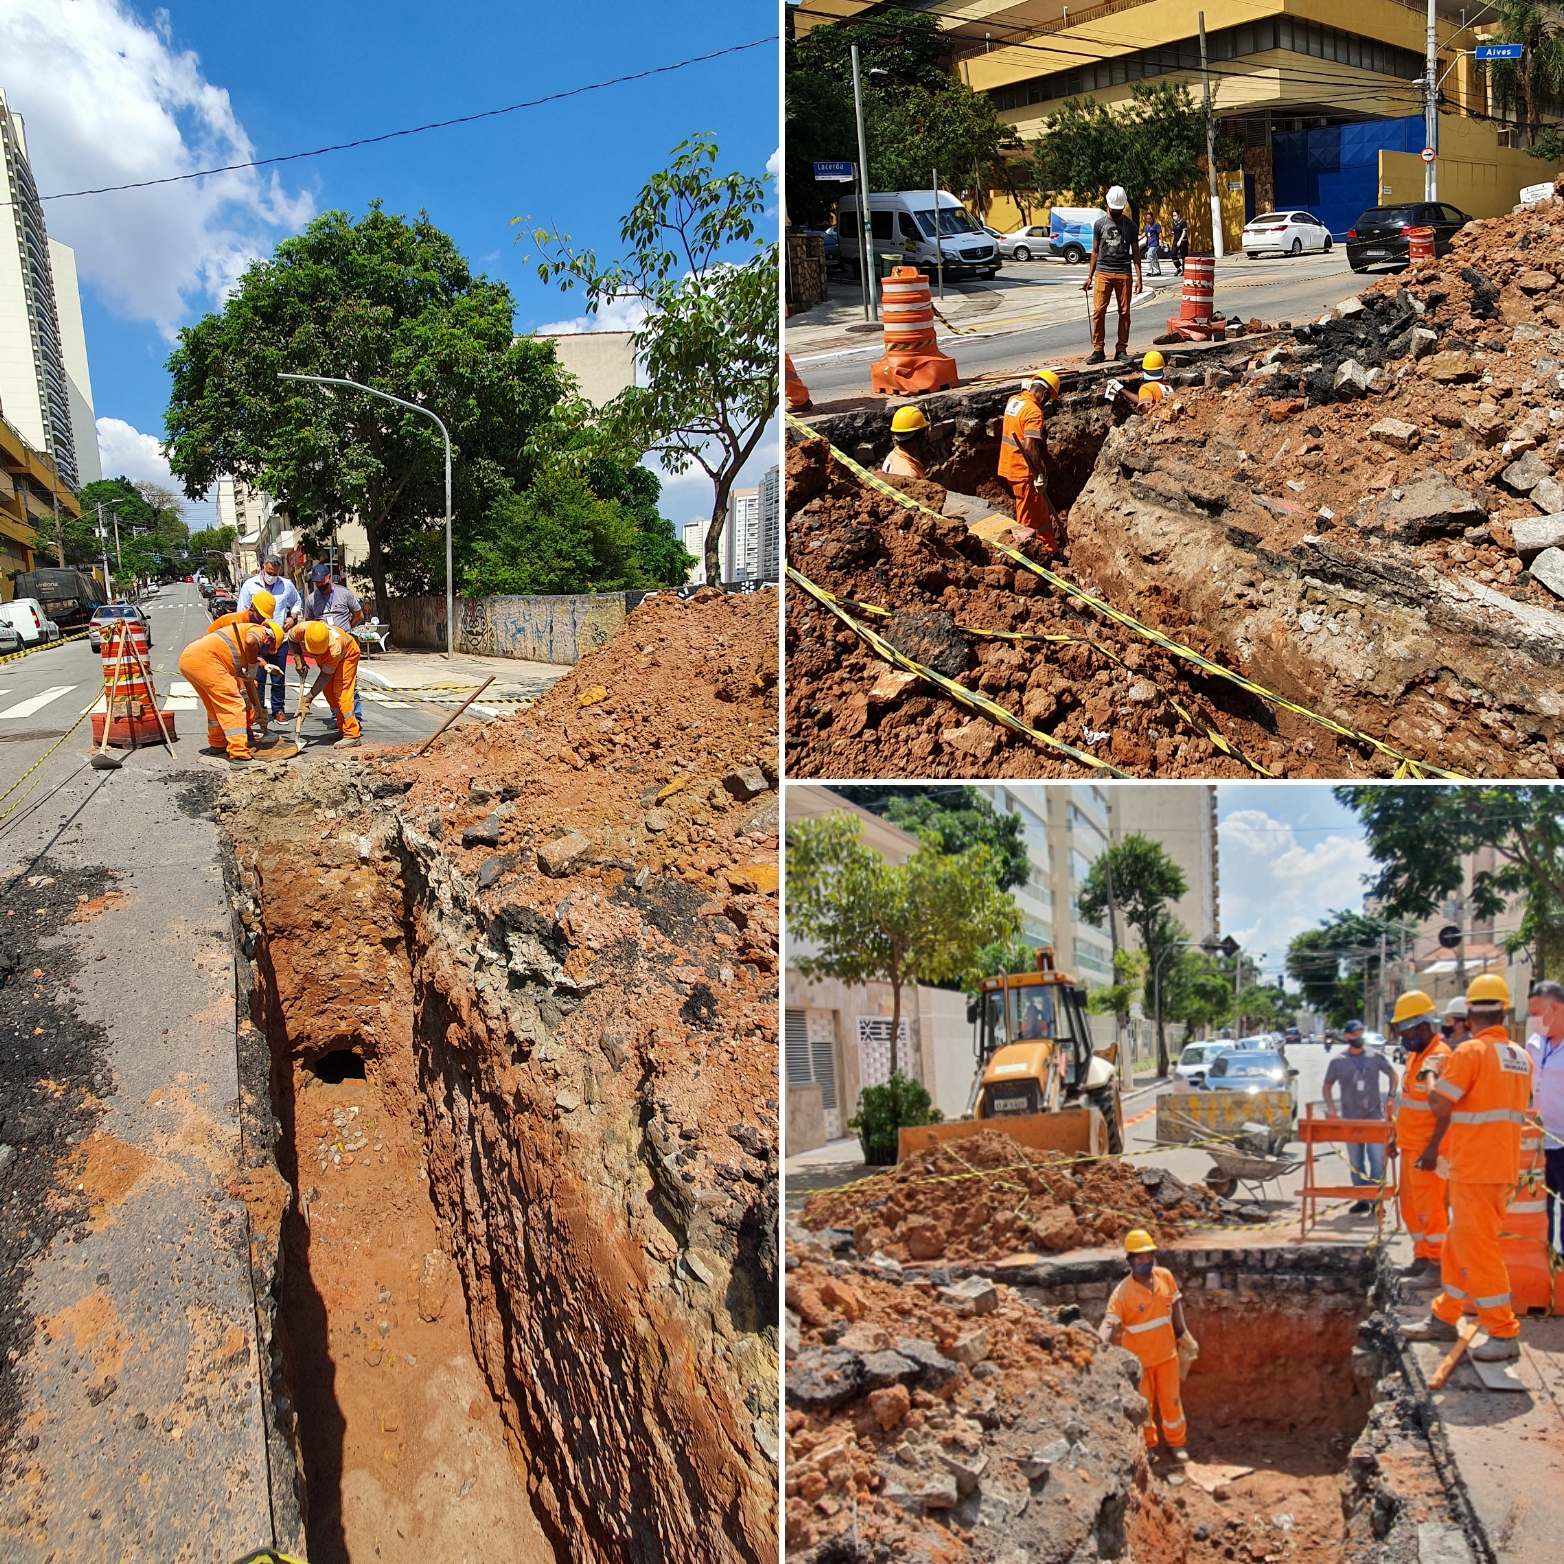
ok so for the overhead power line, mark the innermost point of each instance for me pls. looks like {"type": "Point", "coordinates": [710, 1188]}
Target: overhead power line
{"type": "Point", "coordinates": [416, 130]}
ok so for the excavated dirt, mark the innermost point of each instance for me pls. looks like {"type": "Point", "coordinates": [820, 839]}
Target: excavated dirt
{"type": "Point", "coordinates": [1339, 524]}
{"type": "Point", "coordinates": [520, 1002]}
{"type": "Point", "coordinates": [986, 1197]}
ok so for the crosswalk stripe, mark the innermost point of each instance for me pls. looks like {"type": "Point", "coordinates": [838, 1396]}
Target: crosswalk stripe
{"type": "Point", "coordinates": [37, 702]}
{"type": "Point", "coordinates": [179, 687]}
{"type": "Point", "coordinates": [182, 703]}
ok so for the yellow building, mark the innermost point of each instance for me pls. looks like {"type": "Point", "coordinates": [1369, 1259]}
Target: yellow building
{"type": "Point", "coordinates": [30, 493]}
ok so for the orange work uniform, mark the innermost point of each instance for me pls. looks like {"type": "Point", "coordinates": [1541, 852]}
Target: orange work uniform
{"type": "Point", "coordinates": [341, 659]}
{"type": "Point", "coordinates": [1153, 391]}
{"type": "Point", "coordinates": [245, 616]}
{"type": "Point", "coordinates": [1146, 1313]}
{"type": "Point", "coordinates": [1024, 422]}
{"type": "Point", "coordinates": [903, 464]}
{"type": "Point", "coordinates": [1488, 1079]}
{"type": "Point", "coordinates": [1422, 1195]}
{"type": "Point", "coordinates": [216, 666]}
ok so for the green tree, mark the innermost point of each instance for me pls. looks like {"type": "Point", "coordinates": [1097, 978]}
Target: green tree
{"type": "Point", "coordinates": [923, 921]}
{"type": "Point", "coordinates": [1143, 880]}
{"type": "Point", "coordinates": [883, 1111]}
{"type": "Point", "coordinates": [1418, 836]}
{"type": "Point", "coordinates": [209, 549]}
{"type": "Point", "coordinates": [963, 816]}
{"type": "Point", "coordinates": [1195, 988]}
{"type": "Point", "coordinates": [950, 130]}
{"type": "Point", "coordinates": [393, 305]}
{"type": "Point", "coordinates": [1338, 964]}
{"type": "Point", "coordinates": [708, 345]}
{"type": "Point", "coordinates": [1130, 969]}
{"type": "Point", "coordinates": [1534, 84]}
{"type": "Point", "coordinates": [1155, 146]}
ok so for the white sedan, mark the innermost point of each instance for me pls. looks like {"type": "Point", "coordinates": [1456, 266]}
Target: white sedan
{"type": "Point", "coordinates": [1290, 233]}
{"type": "Point", "coordinates": [1026, 244]}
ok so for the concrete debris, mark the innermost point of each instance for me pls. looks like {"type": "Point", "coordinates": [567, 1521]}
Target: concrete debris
{"type": "Point", "coordinates": [1532, 534]}
{"type": "Point", "coordinates": [1548, 568]}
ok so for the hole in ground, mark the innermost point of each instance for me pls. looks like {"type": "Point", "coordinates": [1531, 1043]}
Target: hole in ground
{"type": "Point", "coordinates": [339, 1065]}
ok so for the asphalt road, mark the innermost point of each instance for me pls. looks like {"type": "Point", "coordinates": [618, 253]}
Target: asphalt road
{"type": "Point", "coordinates": [1272, 288]}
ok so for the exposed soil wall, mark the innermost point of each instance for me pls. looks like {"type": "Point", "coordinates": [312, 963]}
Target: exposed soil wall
{"type": "Point", "coordinates": [551, 944]}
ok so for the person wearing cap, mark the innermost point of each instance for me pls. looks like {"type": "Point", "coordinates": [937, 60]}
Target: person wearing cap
{"type": "Point", "coordinates": [908, 427]}
{"type": "Point", "coordinates": [1545, 1044]}
{"type": "Point", "coordinates": [221, 666]}
{"type": "Point", "coordinates": [1152, 233]}
{"type": "Point", "coordinates": [334, 653]}
{"type": "Point", "coordinates": [1146, 1315]}
{"type": "Point", "coordinates": [1180, 242]}
{"type": "Point", "coordinates": [1422, 1193]}
{"type": "Point", "coordinates": [1356, 1075]}
{"type": "Point", "coordinates": [1479, 1102]}
{"type": "Point", "coordinates": [1115, 256]}
{"type": "Point", "coordinates": [1455, 1028]}
{"type": "Point", "coordinates": [1023, 454]}
{"type": "Point", "coordinates": [334, 603]}
{"type": "Point", "coordinates": [286, 607]}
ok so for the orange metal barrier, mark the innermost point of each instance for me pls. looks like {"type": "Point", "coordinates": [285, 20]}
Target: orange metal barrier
{"type": "Point", "coordinates": [1359, 1132]}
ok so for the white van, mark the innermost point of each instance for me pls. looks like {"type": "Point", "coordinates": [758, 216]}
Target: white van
{"type": "Point", "coordinates": [26, 616]}
{"type": "Point", "coordinates": [902, 222]}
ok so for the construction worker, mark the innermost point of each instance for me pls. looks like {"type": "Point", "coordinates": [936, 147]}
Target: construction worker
{"type": "Point", "coordinates": [907, 431]}
{"type": "Point", "coordinates": [1146, 1314]}
{"type": "Point", "coordinates": [1115, 253]}
{"type": "Point", "coordinates": [1422, 1192]}
{"type": "Point", "coordinates": [1023, 454]}
{"type": "Point", "coordinates": [1454, 1028]}
{"type": "Point", "coordinates": [1153, 388]}
{"type": "Point", "coordinates": [286, 606]}
{"type": "Point", "coordinates": [335, 653]}
{"type": "Point", "coordinates": [257, 611]}
{"type": "Point", "coordinates": [221, 666]}
{"type": "Point", "coordinates": [1479, 1103]}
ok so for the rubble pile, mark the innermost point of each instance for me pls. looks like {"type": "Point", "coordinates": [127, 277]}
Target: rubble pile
{"type": "Point", "coordinates": [1084, 680]}
{"type": "Point", "coordinates": [986, 1197]}
{"type": "Point", "coordinates": [551, 943]}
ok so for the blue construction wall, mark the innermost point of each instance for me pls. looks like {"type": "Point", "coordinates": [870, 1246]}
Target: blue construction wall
{"type": "Point", "coordinates": [1333, 170]}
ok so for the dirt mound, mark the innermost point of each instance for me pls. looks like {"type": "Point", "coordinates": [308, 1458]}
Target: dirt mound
{"type": "Point", "coordinates": [986, 1197]}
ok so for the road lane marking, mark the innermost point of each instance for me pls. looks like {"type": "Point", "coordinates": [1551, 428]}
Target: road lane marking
{"type": "Point", "coordinates": [179, 687]}
{"type": "Point", "coordinates": [37, 702]}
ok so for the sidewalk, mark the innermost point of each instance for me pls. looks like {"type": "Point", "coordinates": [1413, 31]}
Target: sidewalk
{"type": "Point", "coordinates": [434, 676]}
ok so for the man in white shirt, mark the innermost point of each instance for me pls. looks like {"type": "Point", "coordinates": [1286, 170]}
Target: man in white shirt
{"type": "Point", "coordinates": [269, 578]}
{"type": "Point", "coordinates": [1545, 1017]}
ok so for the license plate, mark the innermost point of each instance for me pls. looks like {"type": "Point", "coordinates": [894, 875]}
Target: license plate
{"type": "Point", "coordinates": [1373, 253]}
{"type": "Point", "coordinates": [1009, 1104]}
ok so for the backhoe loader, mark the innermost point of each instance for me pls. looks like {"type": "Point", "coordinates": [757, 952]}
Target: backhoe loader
{"type": "Point", "coordinates": [1039, 1078]}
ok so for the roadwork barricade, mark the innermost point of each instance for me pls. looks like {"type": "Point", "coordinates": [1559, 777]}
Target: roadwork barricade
{"type": "Point", "coordinates": [913, 362]}
{"type": "Point", "coordinates": [1346, 1132]}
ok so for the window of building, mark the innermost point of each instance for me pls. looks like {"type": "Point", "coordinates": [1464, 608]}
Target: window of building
{"type": "Point", "coordinates": [807, 1040]}
{"type": "Point", "coordinates": [1093, 959]}
{"type": "Point", "coordinates": [1080, 865]}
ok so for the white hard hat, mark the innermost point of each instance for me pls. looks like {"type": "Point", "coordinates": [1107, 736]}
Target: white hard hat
{"type": "Point", "coordinates": [1117, 200]}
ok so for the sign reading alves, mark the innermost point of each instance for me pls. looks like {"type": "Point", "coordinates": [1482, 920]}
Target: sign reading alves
{"type": "Point", "coordinates": [842, 172]}
{"type": "Point", "coordinates": [1498, 51]}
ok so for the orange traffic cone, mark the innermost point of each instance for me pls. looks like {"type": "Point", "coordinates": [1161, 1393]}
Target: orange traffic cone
{"type": "Point", "coordinates": [913, 361]}
{"type": "Point", "coordinates": [797, 391]}
{"type": "Point", "coordinates": [130, 703]}
{"type": "Point", "coordinates": [1524, 1237]}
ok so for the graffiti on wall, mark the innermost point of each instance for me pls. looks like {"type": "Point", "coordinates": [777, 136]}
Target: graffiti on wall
{"type": "Point", "coordinates": [536, 629]}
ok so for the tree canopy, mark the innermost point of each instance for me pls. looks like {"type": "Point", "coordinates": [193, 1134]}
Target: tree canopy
{"type": "Point", "coordinates": [961, 815]}
{"type": "Point", "coordinates": [153, 538]}
{"type": "Point", "coordinates": [1337, 965]}
{"type": "Point", "coordinates": [1533, 85]}
{"type": "Point", "coordinates": [923, 921]}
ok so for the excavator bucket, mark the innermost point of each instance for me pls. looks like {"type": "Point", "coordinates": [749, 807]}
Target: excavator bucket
{"type": "Point", "coordinates": [1080, 1132]}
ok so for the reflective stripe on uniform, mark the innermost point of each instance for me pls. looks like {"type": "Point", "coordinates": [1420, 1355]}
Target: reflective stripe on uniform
{"type": "Point", "coordinates": [1527, 1207]}
{"type": "Point", "coordinates": [1498, 1300]}
{"type": "Point", "coordinates": [1168, 1427]}
{"type": "Point", "coordinates": [1490, 1116]}
{"type": "Point", "coordinates": [1415, 1107]}
{"type": "Point", "coordinates": [1448, 1089]}
{"type": "Point", "coordinates": [1157, 1324]}
{"type": "Point", "coordinates": [1451, 1290]}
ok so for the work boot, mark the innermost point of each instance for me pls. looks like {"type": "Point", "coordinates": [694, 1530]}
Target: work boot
{"type": "Point", "coordinates": [1096, 356]}
{"type": "Point", "coordinates": [1417, 1268]}
{"type": "Point", "coordinates": [240, 760]}
{"type": "Point", "coordinates": [1181, 1456]}
{"type": "Point", "coordinates": [1497, 1349]}
{"type": "Point", "coordinates": [1361, 1208]}
{"type": "Point", "coordinates": [1119, 353]}
{"type": "Point", "coordinates": [352, 743]}
{"type": "Point", "coordinates": [1430, 1329]}
{"type": "Point", "coordinates": [1429, 1281]}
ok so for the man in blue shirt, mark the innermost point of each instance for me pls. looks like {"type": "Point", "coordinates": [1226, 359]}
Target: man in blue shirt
{"type": "Point", "coordinates": [335, 604]}
{"type": "Point", "coordinates": [269, 578]}
{"type": "Point", "coordinates": [1356, 1075]}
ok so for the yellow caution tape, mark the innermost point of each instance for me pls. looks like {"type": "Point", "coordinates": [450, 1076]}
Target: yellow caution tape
{"type": "Point", "coordinates": [962, 696]}
{"type": "Point", "coordinates": [960, 331]}
{"type": "Point", "coordinates": [1418, 769]}
{"type": "Point", "coordinates": [32, 651]}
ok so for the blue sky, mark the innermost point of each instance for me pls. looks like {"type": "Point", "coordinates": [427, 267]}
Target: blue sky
{"type": "Point", "coordinates": [113, 92]}
{"type": "Point", "coordinates": [1289, 855]}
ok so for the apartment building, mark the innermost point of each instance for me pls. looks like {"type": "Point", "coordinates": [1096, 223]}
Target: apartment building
{"type": "Point", "coordinates": [33, 498]}
{"type": "Point", "coordinates": [769, 544]}
{"type": "Point", "coordinates": [741, 537]}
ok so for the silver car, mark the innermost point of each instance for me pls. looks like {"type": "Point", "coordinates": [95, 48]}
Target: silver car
{"type": "Point", "coordinates": [1025, 244]}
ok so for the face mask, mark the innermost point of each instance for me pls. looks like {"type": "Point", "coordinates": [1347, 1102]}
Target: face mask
{"type": "Point", "coordinates": [269, 578]}
{"type": "Point", "coordinates": [1142, 1268]}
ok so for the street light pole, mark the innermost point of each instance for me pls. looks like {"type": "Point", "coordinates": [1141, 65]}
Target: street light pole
{"type": "Point", "coordinates": [1431, 106]}
{"type": "Point", "coordinates": [1216, 199]}
{"type": "Point", "coordinates": [871, 304]}
{"type": "Point", "coordinates": [450, 589]}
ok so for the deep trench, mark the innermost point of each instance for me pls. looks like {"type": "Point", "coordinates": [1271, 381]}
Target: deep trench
{"type": "Point", "coordinates": [465, 1344]}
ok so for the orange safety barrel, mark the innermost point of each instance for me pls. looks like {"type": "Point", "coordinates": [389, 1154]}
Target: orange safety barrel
{"type": "Point", "coordinates": [797, 391]}
{"type": "Point", "coordinates": [1524, 1237]}
{"type": "Point", "coordinates": [913, 362]}
{"type": "Point", "coordinates": [1420, 244]}
{"type": "Point", "coordinates": [129, 698]}
{"type": "Point", "coordinates": [1196, 319]}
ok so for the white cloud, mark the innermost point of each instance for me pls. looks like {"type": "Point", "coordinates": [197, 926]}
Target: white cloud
{"type": "Point", "coordinates": [128, 453]}
{"type": "Point", "coordinates": [617, 315]}
{"type": "Point", "coordinates": [108, 100]}
{"type": "Point", "coordinates": [1274, 886]}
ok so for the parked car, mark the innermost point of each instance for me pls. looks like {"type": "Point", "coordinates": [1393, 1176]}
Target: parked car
{"type": "Point", "coordinates": [66, 596]}
{"type": "Point", "coordinates": [10, 637]}
{"type": "Point", "coordinates": [1027, 243]}
{"type": "Point", "coordinates": [1380, 234]}
{"type": "Point", "coordinates": [828, 239]}
{"type": "Point", "coordinates": [1196, 1060]}
{"type": "Point", "coordinates": [901, 223]}
{"type": "Point", "coordinates": [103, 619]}
{"type": "Point", "coordinates": [1285, 233]}
{"type": "Point", "coordinates": [26, 615]}
{"type": "Point", "coordinates": [221, 601]}
{"type": "Point", "coordinates": [1252, 1072]}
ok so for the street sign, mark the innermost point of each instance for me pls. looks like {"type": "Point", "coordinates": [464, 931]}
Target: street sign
{"type": "Point", "coordinates": [1450, 936]}
{"type": "Point", "coordinates": [1429, 154]}
{"type": "Point", "coordinates": [1229, 947]}
{"type": "Point", "coordinates": [839, 172]}
{"type": "Point", "coordinates": [1498, 51]}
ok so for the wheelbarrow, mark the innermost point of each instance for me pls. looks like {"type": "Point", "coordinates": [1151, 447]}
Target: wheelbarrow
{"type": "Point", "coordinates": [1244, 1168]}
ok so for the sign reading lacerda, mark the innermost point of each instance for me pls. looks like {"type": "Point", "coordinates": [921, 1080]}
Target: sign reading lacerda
{"type": "Point", "coordinates": [1531, 194]}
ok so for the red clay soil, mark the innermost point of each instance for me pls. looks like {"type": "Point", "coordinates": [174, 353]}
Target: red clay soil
{"type": "Point", "coordinates": [986, 1197]}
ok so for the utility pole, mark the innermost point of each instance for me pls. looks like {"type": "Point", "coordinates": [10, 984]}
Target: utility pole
{"type": "Point", "coordinates": [1113, 941]}
{"type": "Point", "coordinates": [119, 558]}
{"type": "Point", "coordinates": [103, 539]}
{"type": "Point", "coordinates": [866, 259]}
{"type": "Point", "coordinates": [59, 536]}
{"type": "Point", "coordinates": [1216, 200]}
{"type": "Point", "coordinates": [1431, 107]}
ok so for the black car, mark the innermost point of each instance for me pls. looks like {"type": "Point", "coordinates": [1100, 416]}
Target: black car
{"type": "Point", "coordinates": [1380, 234]}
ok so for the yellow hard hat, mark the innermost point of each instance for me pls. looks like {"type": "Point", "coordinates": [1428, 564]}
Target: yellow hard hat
{"type": "Point", "coordinates": [1153, 360]}
{"type": "Point", "coordinates": [317, 637]}
{"type": "Point", "coordinates": [1488, 988]}
{"type": "Point", "coordinates": [264, 604]}
{"type": "Point", "coordinates": [275, 632]}
{"type": "Point", "coordinates": [1412, 1008]}
{"type": "Point", "coordinates": [1139, 1241]}
{"type": "Point", "coordinates": [1046, 377]}
{"type": "Point", "coordinates": [908, 420]}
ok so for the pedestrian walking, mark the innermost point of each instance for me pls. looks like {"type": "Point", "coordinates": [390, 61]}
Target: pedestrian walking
{"type": "Point", "coordinates": [286, 608]}
{"type": "Point", "coordinates": [1180, 243]}
{"type": "Point", "coordinates": [1545, 1015]}
{"type": "Point", "coordinates": [1115, 257]}
{"type": "Point", "coordinates": [1152, 233]}
{"type": "Point", "coordinates": [1479, 1103]}
{"type": "Point", "coordinates": [1146, 1314]}
{"type": "Point", "coordinates": [334, 603]}
{"type": "Point", "coordinates": [1422, 1192]}
{"type": "Point", "coordinates": [1023, 455]}
{"type": "Point", "coordinates": [1356, 1074]}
